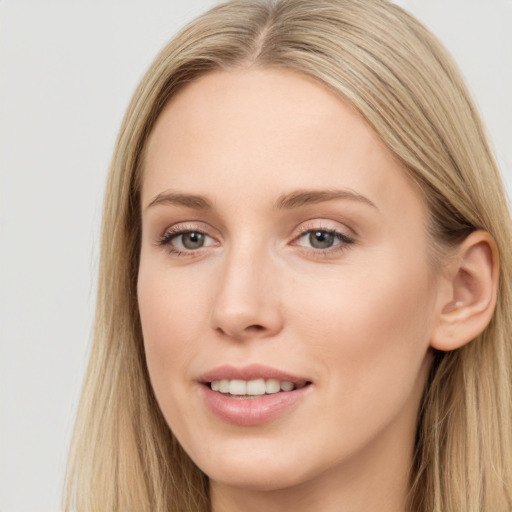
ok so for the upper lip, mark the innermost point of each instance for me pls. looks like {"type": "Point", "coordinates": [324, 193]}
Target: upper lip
{"type": "Point", "coordinates": [250, 372]}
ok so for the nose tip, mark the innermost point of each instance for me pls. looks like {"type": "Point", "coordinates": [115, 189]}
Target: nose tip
{"type": "Point", "coordinates": [247, 320]}
{"type": "Point", "coordinates": [245, 305]}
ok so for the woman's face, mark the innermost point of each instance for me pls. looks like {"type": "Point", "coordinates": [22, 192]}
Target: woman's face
{"type": "Point", "coordinates": [283, 247]}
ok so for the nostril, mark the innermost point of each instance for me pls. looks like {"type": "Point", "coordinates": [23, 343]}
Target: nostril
{"type": "Point", "coordinates": [255, 327]}
{"type": "Point", "coordinates": [251, 330]}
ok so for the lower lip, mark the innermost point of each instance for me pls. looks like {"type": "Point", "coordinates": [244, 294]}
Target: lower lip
{"type": "Point", "coordinates": [252, 411]}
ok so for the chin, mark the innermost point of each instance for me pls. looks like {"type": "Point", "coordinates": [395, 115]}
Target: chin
{"type": "Point", "coordinates": [264, 469]}
{"type": "Point", "coordinates": [261, 479]}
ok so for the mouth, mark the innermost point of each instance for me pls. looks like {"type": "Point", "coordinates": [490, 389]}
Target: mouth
{"type": "Point", "coordinates": [252, 395]}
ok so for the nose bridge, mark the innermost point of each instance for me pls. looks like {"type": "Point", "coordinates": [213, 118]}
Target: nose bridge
{"type": "Point", "coordinates": [246, 303]}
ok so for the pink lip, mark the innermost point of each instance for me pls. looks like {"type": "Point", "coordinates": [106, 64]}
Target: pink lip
{"type": "Point", "coordinates": [253, 371]}
{"type": "Point", "coordinates": [251, 411]}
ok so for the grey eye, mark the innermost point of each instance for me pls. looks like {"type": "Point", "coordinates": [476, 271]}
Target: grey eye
{"type": "Point", "coordinates": [192, 240]}
{"type": "Point", "coordinates": [321, 239]}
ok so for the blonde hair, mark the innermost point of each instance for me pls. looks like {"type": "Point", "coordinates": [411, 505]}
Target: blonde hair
{"type": "Point", "coordinates": [402, 81]}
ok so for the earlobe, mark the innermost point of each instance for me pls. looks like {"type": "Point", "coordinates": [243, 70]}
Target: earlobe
{"type": "Point", "coordinates": [467, 300]}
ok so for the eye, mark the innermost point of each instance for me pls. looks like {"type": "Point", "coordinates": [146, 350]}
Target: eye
{"type": "Point", "coordinates": [190, 240]}
{"type": "Point", "coordinates": [320, 239]}
{"type": "Point", "coordinates": [323, 239]}
{"type": "Point", "coordinates": [181, 241]}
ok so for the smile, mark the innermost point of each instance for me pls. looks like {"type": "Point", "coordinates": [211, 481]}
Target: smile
{"type": "Point", "coordinates": [257, 387]}
{"type": "Point", "coordinates": [252, 395]}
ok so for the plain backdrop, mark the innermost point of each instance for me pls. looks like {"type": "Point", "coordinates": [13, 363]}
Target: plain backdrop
{"type": "Point", "coordinates": [67, 71]}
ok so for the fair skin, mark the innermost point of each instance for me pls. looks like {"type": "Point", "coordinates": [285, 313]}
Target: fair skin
{"type": "Point", "coordinates": [335, 289]}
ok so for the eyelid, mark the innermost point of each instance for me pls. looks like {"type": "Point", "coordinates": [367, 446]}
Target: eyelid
{"type": "Point", "coordinates": [181, 228]}
{"type": "Point", "coordinates": [187, 227]}
{"type": "Point", "coordinates": [324, 225]}
{"type": "Point", "coordinates": [344, 239]}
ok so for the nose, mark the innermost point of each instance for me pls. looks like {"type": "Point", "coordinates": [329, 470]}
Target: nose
{"type": "Point", "coordinates": [247, 302]}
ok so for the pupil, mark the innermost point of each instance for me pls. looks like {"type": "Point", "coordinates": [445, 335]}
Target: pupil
{"type": "Point", "coordinates": [321, 239]}
{"type": "Point", "coordinates": [192, 240]}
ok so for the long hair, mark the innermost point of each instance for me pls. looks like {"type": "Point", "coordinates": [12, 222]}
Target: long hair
{"type": "Point", "coordinates": [402, 81]}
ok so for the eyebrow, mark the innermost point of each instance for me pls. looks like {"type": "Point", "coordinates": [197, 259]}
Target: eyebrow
{"type": "Point", "coordinates": [306, 197]}
{"type": "Point", "coordinates": [289, 201]}
{"type": "Point", "coordinates": [176, 198]}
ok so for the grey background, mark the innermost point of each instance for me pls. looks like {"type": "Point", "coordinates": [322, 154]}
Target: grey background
{"type": "Point", "coordinates": [67, 71]}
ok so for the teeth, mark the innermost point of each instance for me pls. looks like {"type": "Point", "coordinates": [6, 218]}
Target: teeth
{"type": "Point", "coordinates": [286, 386]}
{"type": "Point", "coordinates": [238, 387]}
{"type": "Point", "coordinates": [273, 386]}
{"type": "Point", "coordinates": [256, 387]}
{"type": "Point", "coordinates": [252, 387]}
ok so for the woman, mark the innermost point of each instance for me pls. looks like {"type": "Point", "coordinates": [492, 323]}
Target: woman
{"type": "Point", "coordinates": [305, 283]}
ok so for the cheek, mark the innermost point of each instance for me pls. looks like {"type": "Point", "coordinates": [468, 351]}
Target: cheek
{"type": "Point", "coordinates": [370, 329]}
{"type": "Point", "coordinates": [172, 311]}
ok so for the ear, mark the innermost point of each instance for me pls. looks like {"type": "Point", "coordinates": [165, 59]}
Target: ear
{"type": "Point", "coordinates": [467, 296]}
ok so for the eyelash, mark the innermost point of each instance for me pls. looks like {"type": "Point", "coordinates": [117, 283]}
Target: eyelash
{"type": "Point", "coordinates": [345, 241]}
{"type": "Point", "coordinates": [175, 231]}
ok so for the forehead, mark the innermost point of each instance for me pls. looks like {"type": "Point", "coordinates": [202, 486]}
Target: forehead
{"type": "Point", "coordinates": [267, 131]}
